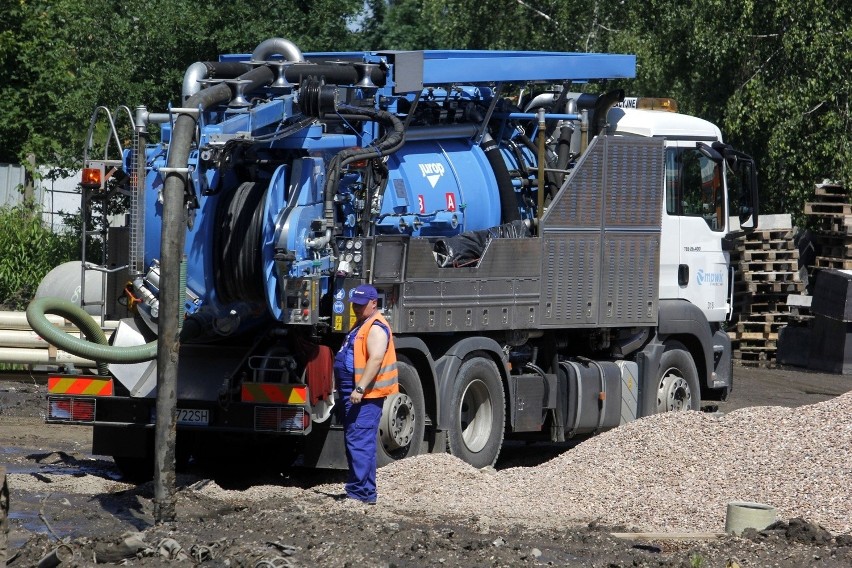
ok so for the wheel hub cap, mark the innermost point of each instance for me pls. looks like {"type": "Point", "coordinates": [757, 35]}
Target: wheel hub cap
{"type": "Point", "coordinates": [397, 421]}
{"type": "Point", "coordinates": [674, 394]}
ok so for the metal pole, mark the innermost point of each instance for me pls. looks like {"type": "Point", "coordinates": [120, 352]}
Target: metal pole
{"type": "Point", "coordinates": [172, 241]}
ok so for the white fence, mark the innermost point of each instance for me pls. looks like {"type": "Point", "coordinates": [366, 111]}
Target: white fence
{"type": "Point", "coordinates": [57, 197]}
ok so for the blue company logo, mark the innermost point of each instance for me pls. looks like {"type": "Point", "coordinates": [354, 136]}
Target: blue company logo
{"type": "Point", "coordinates": [709, 278]}
{"type": "Point", "coordinates": [338, 307]}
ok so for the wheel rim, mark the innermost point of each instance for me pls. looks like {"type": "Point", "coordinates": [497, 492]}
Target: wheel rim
{"type": "Point", "coordinates": [674, 394]}
{"type": "Point", "coordinates": [398, 421]}
{"type": "Point", "coordinates": [475, 416]}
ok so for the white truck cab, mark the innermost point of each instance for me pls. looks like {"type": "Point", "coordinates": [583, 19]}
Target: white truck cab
{"type": "Point", "coordinates": [694, 262]}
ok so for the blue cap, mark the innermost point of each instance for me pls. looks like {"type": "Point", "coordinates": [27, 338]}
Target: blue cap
{"type": "Point", "coordinates": [363, 294]}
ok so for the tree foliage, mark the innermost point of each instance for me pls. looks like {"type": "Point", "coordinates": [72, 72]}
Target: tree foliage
{"type": "Point", "coordinates": [61, 58]}
{"type": "Point", "coordinates": [773, 75]}
{"type": "Point", "coordinates": [30, 251]}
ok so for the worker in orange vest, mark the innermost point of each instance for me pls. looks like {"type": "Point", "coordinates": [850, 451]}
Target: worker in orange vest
{"type": "Point", "coordinates": [366, 373]}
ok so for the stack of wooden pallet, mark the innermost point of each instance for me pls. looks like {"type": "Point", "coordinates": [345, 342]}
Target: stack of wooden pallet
{"type": "Point", "coordinates": [766, 266]}
{"type": "Point", "coordinates": [830, 215]}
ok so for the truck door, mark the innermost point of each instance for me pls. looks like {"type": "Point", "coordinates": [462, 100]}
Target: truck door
{"type": "Point", "coordinates": [696, 213]}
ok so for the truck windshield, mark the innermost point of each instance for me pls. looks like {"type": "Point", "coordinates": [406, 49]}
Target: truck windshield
{"type": "Point", "coordinates": [694, 187]}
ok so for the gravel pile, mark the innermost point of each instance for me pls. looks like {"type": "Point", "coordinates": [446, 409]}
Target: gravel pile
{"type": "Point", "coordinates": [668, 472]}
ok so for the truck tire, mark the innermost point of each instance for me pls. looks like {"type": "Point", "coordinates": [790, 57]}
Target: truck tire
{"type": "Point", "coordinates": [477, 413]}
{"type": "Point", "coordinates": [403, 423]}
{"type": "Point", "coordinates": [4, 517]}
{"type": "Point", "coordinates": [134, 469]}
{"type": "Point", "coordinates": [677, 387]}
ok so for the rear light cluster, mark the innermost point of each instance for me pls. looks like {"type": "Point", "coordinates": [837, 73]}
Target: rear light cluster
{"type": "Point", "coordinates": [71, 409]}
{"type": "Point", "coordinates": [281, 419]}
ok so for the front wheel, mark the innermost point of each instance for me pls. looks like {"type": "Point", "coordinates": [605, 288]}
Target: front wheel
{"type": "Point", "coordinates": [403, 422]}
{"type": "Point", "coordinates": [677, 388]}
{"type": "Point", "coordinates": [477, 413]}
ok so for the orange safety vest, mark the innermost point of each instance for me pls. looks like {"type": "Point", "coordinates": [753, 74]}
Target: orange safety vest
{"type": "Point", "coordinates": [386, 382]}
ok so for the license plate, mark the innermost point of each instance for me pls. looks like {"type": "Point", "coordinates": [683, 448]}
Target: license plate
{"type": "Point", "coordinates": [194, 416]}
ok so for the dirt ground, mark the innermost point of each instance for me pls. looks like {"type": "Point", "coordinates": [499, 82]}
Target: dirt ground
{"type": "Point", "coordinates": [65, 501]}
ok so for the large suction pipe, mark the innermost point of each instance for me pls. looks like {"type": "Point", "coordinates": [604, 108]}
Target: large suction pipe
{"type": "Point", "coordinates": [96, 348]}
{"type": "Point", "coordinates": [202, 70]}
{"type": "Point", "coordinates": [602, 106]}
{"type": "Point", "coordinates": [508, 200]}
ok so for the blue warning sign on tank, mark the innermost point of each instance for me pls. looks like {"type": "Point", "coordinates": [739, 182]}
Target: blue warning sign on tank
{"type": "Point", "coordinates": [340, 294]}
{"type": "Point", "coordinates": [338, 307]}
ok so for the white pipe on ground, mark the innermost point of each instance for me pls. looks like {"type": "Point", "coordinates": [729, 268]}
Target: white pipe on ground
{"type": "Point", "coordinates": [26, 338]}
{"type": "Point", "coordinates": [18, 320]}
{"type": "Point", "coordinates": [18, 356]}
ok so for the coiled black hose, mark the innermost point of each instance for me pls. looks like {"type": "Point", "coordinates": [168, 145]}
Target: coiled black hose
{"type": "Point", "coordinates": [237, 245]}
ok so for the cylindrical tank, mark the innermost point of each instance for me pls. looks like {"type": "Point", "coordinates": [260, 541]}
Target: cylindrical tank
{"type": "Point", "coordinates": [64, 282]}
{"type": "Point", "coordinates": [440, 188]}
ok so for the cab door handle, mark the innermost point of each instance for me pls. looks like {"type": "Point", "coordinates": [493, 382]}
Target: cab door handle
{"type": "Point", "coordinates": [682, 275]}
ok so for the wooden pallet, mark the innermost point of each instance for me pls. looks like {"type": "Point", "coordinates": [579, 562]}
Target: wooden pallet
{"type": "Point", "coordinates": [786, 287]}
{"type": "Point", "coordinates": [829, 262]}
{"type": "Point", "coordinates": [768, 265]}
{"type": "Point", "coordinates": [830, 190]}
{"type": "Point", "coordinates": [837, 226]}
{"type": "Point", "coordinates": [828, 209]}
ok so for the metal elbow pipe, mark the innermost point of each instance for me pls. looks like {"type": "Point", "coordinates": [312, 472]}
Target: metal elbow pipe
{"type": "Point", "coordinates": [320, 242]}
{"type": "Point", "coordinates": [276, 46]}
{"type": "Point", "coordinates": [192, 78]}
{"type": "Point", "coordinates": [201, 70]}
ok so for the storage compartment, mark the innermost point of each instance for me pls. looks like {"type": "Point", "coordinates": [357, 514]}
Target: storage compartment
{"type": "Point", "coordinates": [528, 395]}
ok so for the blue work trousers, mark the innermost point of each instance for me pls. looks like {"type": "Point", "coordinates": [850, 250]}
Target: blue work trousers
{"type": "Point", "coordinates": [360, 430]}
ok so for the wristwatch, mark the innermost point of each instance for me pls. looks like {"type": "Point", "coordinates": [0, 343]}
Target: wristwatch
{"type": "Point", "coordinates": [359, 390]}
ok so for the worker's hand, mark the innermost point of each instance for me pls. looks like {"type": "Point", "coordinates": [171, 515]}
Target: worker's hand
{"type": "Point", "coordinates": [355, 397]}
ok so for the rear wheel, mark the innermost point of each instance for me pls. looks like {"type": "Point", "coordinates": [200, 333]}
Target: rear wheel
{"type": "Point", "coordinates": [477, 413]}
{"type": "Point", "coordinates": [4, 517]}
{"type": "Point", "coordinates": [135, 469]}
{"type": "Point", "coordinates": [403, 422]}
{"type": "Point", "coordinates": [677, 388]}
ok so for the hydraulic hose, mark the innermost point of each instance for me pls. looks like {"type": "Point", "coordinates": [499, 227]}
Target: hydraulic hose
{"type": "Point", "coordinates": [387, 144]}
{"type": "Point", "coordinates": [95, 347]}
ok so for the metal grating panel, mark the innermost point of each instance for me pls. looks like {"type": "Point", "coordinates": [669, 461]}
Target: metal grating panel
{"type": "Point", "coordinates": [578, 202]}
{"type": "Point", "coordinates": [570, 278]}
{"type": "Point", "coordinates": [630, 278]}
{"type": "Point", "coordinates": [635, 183]}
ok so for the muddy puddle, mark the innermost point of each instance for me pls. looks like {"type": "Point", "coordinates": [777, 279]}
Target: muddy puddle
{"type": "Point", "coordinates": [61, 495]}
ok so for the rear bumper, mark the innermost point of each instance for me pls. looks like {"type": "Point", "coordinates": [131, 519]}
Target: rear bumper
{"type": "Point", "coordinates": [128, 412]}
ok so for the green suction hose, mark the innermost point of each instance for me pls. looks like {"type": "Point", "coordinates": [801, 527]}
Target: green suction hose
{"type": "Point", "coordinates": [95, 347]}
